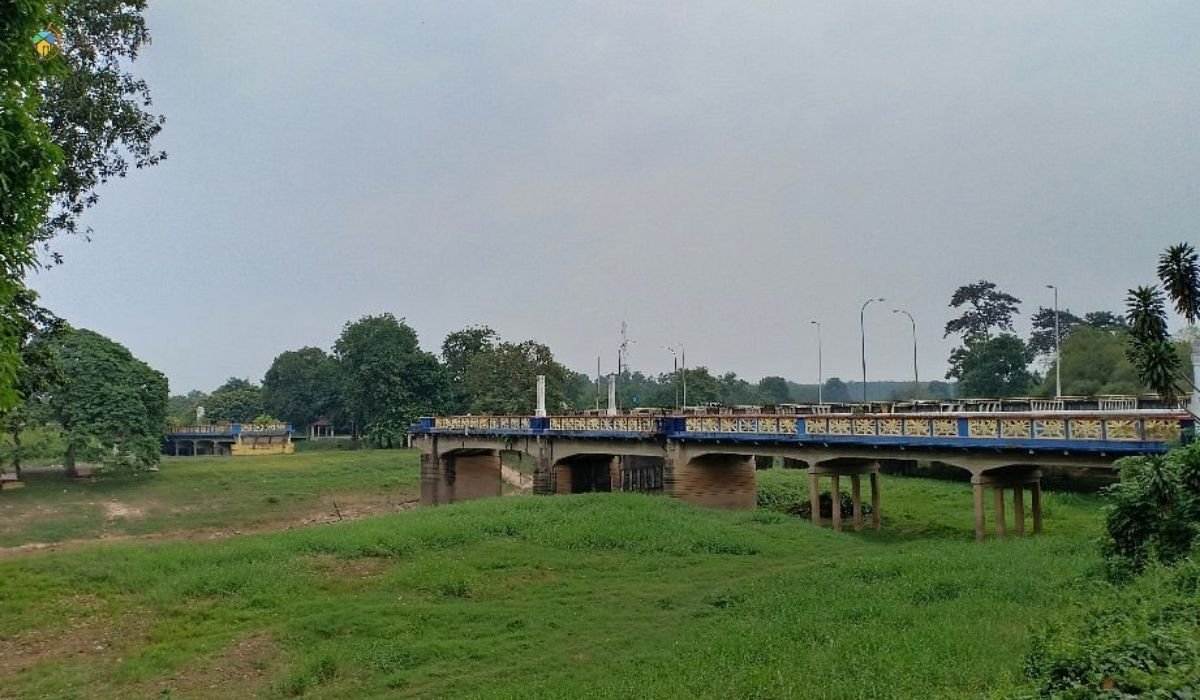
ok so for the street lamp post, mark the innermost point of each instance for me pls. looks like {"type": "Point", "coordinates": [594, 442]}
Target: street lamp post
{"type": "Point", "coordinates": [675, 356]}
{"type": "Point", "coordinates": [820, 368]}
{"type": "Point", "coordinates": [862, 330]}
{"type": "Point", "coordinates": [1057, 347]}
{"type": "Point", "coordinates": [916, 375]}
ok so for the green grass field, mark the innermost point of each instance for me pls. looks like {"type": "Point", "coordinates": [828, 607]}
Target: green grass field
{"type": "Point", "coordinates": [208, 496]}
{"type": "Point", "coordinates": [599, 595]}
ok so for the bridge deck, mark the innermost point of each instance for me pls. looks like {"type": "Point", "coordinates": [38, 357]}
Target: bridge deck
{"type": "Point", "coordinates": [1109, 432]}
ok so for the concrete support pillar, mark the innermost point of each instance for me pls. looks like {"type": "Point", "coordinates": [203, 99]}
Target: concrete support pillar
{"type": "Point", "coordinates": [856, 498]}
{"type": "Point", "coordinates": [814, 496]}
{"type": "Point", "coordinates": [711, 480]}
{"type": "Point", "coordinates": [876, 504]}
{"type": "Point", "coordinates": [614, 474]}
{"type": "Point", "coordinates": [612, 395]}
{"type": "Point", "coordinates": [452, 478]}
{"type": "Point", "coordinates": [1035, 495]}
{"type": "Point", "coordinates": [1019, 510]}
{"type": "Point", "coordinates": [835, 491]}
{"type": "Point", "coordinates": [998, 491]}
{"type": "Point", "coordinates": [980, 518]}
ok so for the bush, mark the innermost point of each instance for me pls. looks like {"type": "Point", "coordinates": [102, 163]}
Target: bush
{"type": "Point", "coordinates": [1132, 640]}
{"type": "Point", "coordinates": [1153, 514]}
{"type": "Point", "coordinates": [330, 445]}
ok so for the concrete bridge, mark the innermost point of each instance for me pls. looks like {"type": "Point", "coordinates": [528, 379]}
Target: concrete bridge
{"type": "Point", "coordinates": [709, 460]}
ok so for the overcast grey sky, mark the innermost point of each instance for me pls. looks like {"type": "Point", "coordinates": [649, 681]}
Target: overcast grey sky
{"type": "Point", "coordinates": [716, 174]}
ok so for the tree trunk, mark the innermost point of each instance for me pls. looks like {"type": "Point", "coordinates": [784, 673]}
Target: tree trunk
{"type": "Point", "coordinates": [17, 451]}
{"type": "Point", "coordinates": [69, 461]}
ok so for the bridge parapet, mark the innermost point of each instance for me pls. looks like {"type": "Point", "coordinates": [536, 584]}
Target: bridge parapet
{"type": "Point", "coordinates": [1110, 431]}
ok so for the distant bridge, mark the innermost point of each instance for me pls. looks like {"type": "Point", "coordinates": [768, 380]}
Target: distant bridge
{"type": "Point", "coordinates": [233, 439]}
{"type": "Point", "coordinates": [709, 459]}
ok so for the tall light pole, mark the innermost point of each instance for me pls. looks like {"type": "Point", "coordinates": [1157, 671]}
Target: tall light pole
{"type": "Point", "coordinates": [820, 368]}
{"type": "Point", "coordinates": [1057, 348]}
{"type": "Point", "coordinates": [916, 376]}
{"type": "Point", "coordinates": [675, 356]}
{"type": "Point", "coordinates": [683, 367]}
{"type": "Point", "coordinates": [862, 330]}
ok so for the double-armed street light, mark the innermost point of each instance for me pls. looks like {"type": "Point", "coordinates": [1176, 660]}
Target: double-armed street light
{"type": "Point", "coordinates": [820, 368]}
{"type": "Point", "coordinates": [916, 375]}
{"type": "Point", "coordinates": [680, 357]}
{"type": "Point", "coordinates": [862, 329]}
{"type": "Point", "coordinates": [1057, 347]}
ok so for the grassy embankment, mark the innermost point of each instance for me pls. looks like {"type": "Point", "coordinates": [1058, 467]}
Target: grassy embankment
{"type": "Point", "coordinates": [604, 595]}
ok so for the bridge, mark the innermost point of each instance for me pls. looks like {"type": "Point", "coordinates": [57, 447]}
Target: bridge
{"type": "Point", "coordinates": [232, 439]}
{"type": "Point", "coordinates": [709, 459]}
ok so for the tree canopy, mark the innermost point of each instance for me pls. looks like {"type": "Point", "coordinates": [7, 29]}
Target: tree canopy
{"type": "Point", "coordinates": [302, 386]}
{"type": "Point", "coordinates": [992, 367]}
{"type": "Point", "coordinates": [502, 379]}
{"type": "Point", "coordinates": [987, 308]}
{"type": "Point", "coordinates": [112, 406]}
{"type": "Point", "coordinates": [387, 380]}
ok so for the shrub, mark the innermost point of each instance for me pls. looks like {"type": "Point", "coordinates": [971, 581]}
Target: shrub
{"type": "Point", "coordinates": [1153, 514]}
{"type": "Point", "coordinates": [1140, 639]}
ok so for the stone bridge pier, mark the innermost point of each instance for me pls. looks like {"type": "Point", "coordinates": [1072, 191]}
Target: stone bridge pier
{"type": "Point", "coordinates": [460, 475]}
{"type": "Point", "coordinates": [702, 477]}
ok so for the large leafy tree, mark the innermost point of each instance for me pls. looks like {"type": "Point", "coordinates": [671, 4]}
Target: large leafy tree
{"type": "Point", "coordinates": [97, 111]}
{"type": "Point", "coordinates": [1041, 340]}
{"type": "Point", "coordinates": [387, 380]}
{"type": "Point", "coordinates": [302, 386]}
{"type": "Point", "coordinates": [458, 350]}
{"type": "Point", "coordinates": [986, 308]}
{"type": "Point", "coordinates": [39, 370]}
{"type": "Point", "coordinates": [236, 401]}
{"type": "Point", "coordinates": [1094, 362]}
{"type": "Point", "coordinates": [112, 406]}
{"type": "Point", "coordinates": [503, 378]}
{"type": "Point", "coordinates": [29, 166]}
{"type": "Point", "coordinates": [992, 367]}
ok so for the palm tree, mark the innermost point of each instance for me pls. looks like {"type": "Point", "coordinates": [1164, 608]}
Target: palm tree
{"type": "Point", "coordinates": [1179, 272]}
{"type": "Point", "coordinates": [1150, 350]}
{"type": "Point", "coordinates": [1146, 311]}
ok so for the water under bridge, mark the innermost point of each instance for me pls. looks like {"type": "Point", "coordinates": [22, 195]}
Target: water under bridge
{"type": "Point", "coordinates": [709, 460]}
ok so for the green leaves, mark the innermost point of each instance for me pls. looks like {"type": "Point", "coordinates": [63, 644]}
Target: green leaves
{"type": "Point", "coordinates": [992, 368]}
{"type": "Point", "coordinates": [1179, 273]}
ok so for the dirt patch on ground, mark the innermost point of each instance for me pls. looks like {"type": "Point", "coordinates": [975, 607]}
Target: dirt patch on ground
{"type": "Point", "coordinates": [86, 634]}
{"type": "Point", "coordinates": [240, 670]}
{"type": "Point", "coordinates": [523, 483]}
{"type": "Point", "coordinates": [343, 569]}
{"type": "Point", "coordinates": [328, 512]}
{"type": "Point", "coordinates": [115, 509]}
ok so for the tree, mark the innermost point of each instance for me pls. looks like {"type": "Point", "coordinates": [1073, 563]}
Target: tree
{"type": "Point", "coordinates": [992, 367]}
{"type": "Point", "coordinates": [29, 165]}
{"type": "Point", "coordinates": [1094, 362]}
{"type": "Point", "coordinates": [835, 391]}
{"type": "Point", "coordinates": [1150, 350]}
{"type": "Point", "coordinates": [736, 391]}
{"type": "Point", "coordinates": [387, 380]}
{"type": "Point", "coordinates": [502, 379]}
{"type": "Point", "coordinates": [1179, 273]}
{"type": "Point", "coordinates": [702, 386]}
{"type": "Point", "coordinates": [1041, 340]}
{"type": "Point", "coordinates": [1105, 321]}
{"type": "Point", "coordinates": [96, 111]}
{"type": "Point", "coordinates": [112, 406]}
{"type": "Point", "coordinates": [236, 401]}
{"type": "Point", "coordinates": [774, 390]}
{"type": "Point", "coordinates": [458, 349]}
{"type": "Point", "coordinates": [39, 370]}
{"type": "Point", "coordinates": [302, 386]}
{"type": "Point", "coordinates": [988, 308]}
